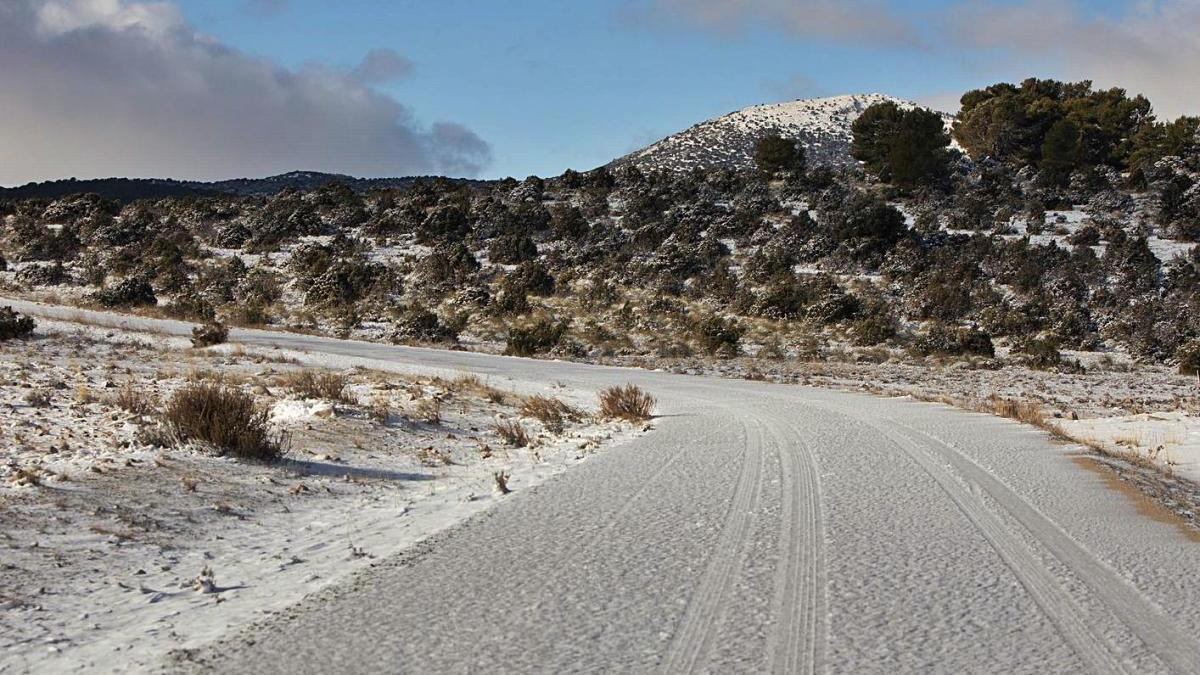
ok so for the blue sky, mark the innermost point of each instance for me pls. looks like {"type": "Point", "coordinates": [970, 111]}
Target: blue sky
{"type": "Point", "coordinates": [572, 84]}
{"type": "Point", "coordinates": [217, 88]}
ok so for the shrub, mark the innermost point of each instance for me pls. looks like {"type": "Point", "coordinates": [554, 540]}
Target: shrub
{"type": "Point", "coordinates": [190, 304]}
{"type": "Point", "coordinates": [322, 385]}
{"type": "Point", "coordinates": [955, 341]}
{"type": "Point", "coordinates": [628, 403]}
{"type": "Point", "coordinates": [133, 400]}
{"type": "Point", "coordinates": [1188, 356]}
{"type": "Point", "coordinates": [225, 418]}
{"type": "Point", "coordinates": [872, 330]}
{"type": "Point", "coordinates": [429, 410]}
{"type": "Point", "coordinates": [1087, 235]}
{"type": "Point", "coordinates": [512, 432]}
{"type": "Point", "coordinates": [418, 324]}
{"type": "Point", "coordinates": [542, 336]}
{"type": "Point", "coordinates": [719, 336]}
{"type": "Point", "coordinates": [38, 398]}
{"type": "Point", "coordinates": [551, 412]}
{"type": "Point", "coordinates": [511, 249]}
{"type": "Point", "coordinates": [129, 292]}
{"type": "Point", "coordinates": [14, 325]}
{"type": "Point", "coordinates": [211, 333]}
{"type": "Point", "coordinates": [1039, 353]}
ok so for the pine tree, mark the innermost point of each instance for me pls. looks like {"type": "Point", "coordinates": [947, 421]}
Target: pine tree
{"type": "Point", "coordinates": [775, 154]}
{"type": "Point", "coordinates": [1060, 152]}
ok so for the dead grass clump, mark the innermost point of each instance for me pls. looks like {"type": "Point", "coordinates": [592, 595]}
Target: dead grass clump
{"type": "Point", "coordinates": [473, 385]}
{"type": "Point", "coordinates": [627, 403]}
{"type": "Point", "coordinates": [551, 412]}
{"type": "Point", "coordinates": [429, 410]}
{"type": "Point", "coordinates": [224, 418]}
{"type": "Point", "coordinates": [323, 385]}
{"type": "Point", "coordinates": [38, 398]}
{"type": "Point", "coordinates": [1022, 411]}
{"type": "Point", "coordinates": [381, 408]}
{"type": "Point", "coordinates": [133, 400]}
{"type": "Point", "coordinates": [512, 432]}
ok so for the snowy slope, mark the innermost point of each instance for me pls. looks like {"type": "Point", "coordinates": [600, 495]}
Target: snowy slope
{"type": "Point", "coordinates": [822, 124]}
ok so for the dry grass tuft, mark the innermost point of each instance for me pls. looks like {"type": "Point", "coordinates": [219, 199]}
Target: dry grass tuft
{"type": "Point", "coordinates": [38, 398]}
{"type": "Point", "coordinates": [226, 419]}
{"type": "Point", "coordinates": [429, 410]}
{"type": "Point", "coordinates": [627, 403]}
{"type": "Point", "coordinates": [471, 384]}
{"type": "Point", "coordinates": [1022, 411]}
{"type": "Point", "coordinates": [512, 432]}
{"type": "Point", "coordinates": [551, 412]}
{"type": "Point", "coordinates": [328, 386]}
{"type": "Point", "coordinates": [381, 408]}
{"type": "Point", "coordinates": [133, 400]}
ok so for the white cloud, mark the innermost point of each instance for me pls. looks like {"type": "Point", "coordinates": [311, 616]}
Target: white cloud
{"type": "Point", "coordinates": [382, 65]}
{"type": "Point", "coordinates": [115, 88]}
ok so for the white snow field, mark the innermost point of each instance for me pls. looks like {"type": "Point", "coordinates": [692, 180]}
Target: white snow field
{"type": "Point", "coordinates": [759, 528]}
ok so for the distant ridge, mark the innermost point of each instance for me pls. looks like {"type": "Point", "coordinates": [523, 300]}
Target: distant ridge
{"type": "Point", "coordinates": [821, 124]}
{"type": "Point", "coordinates": [131, 189]}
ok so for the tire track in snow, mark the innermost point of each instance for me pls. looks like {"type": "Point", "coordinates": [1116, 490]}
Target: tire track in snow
{"type": "Point", "coordinates": [797, 640]}
{"type": "Point", "coordinates": [692, 641]}
{"type": "Point", "coordinates": [1176, 648]}
{"type": "Point", "coordinates": [1095, 652]}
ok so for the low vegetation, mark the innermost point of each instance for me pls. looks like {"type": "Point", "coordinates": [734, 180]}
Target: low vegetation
{"type": "Point", "coordinates": [211, 333]}
{"type": "Point", "coordinates": [551, 412]}
{"type": "Point", "coordinates": [325, 385]}
{"type": "Point", "coordinates": [14, 325]}
{"type": "Point", "coordinates": [226, 419]}
{"type": "Point", "coordinates": [627, 403]}
{"type": "Point", "coordinates": [512, 432]}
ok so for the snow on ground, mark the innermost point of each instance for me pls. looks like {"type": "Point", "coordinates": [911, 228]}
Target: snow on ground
{"type": "Point", "coordinates": [1169, 440]}
{"type": "Point", "coordinates": [115, 550]}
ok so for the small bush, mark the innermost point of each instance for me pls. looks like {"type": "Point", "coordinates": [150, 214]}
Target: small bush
{"type": "Point", "coordinates": [1188, 356]}
{"type": "Point", "coordinates": [14, 325]}
{"type": "Point", "coordinates": [129, 292]}
{"type": "Point", "coordinates": [225, 418]}
{"type": "Point", "coordinates": [133, 400]}
{"type": "Point", "coordinates": [1041, 354]}
{"type": "Point", "coordinates": [418, 324]}
{"type": "Point", "coordinates": [38, 398]}
{"type": "Point", "coordinates": [628, 403]}
{"type": "Point", "coordinates": [542, 336]}
{"type": "Point", "coordinates": [322, 385]}
{"type": "Point", "coordinates": [429, 410]}
{"type": "Point", "coordinates": [719, 337]}
{"type": "Point", "coordinates": [551, 412]}
{"type": "Point", "coordinates": [512, 432]}
{"type": "Point", "coordinates": [955, 341]}
{"type": "Point", "coordinates": [212, 333]}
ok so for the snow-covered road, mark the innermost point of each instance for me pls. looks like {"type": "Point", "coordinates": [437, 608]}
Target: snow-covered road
{"type": "Point", "coordinates": [760, 528]}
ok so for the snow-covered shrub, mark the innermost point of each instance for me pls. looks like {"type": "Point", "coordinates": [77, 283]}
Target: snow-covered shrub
{"type": "Point", "coordinates": [129, 292]}
{"type": "Point", "coordinates": [211, 333]}
{"type": "Point", "coordinates": [14, 325]}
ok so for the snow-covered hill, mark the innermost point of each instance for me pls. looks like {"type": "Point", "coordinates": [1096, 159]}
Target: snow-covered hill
{"type": "Point", "coordinates": [822, 124]}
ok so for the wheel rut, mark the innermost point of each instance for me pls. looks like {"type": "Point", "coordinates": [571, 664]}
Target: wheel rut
{"type": "Point", "coordinates": [692, 643]}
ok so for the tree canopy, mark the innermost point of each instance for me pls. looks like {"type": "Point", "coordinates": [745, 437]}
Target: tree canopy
{"type": "Point", "coordinates": [775, 154]}
{"type": "Point", "coordinates": [908, 148]}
